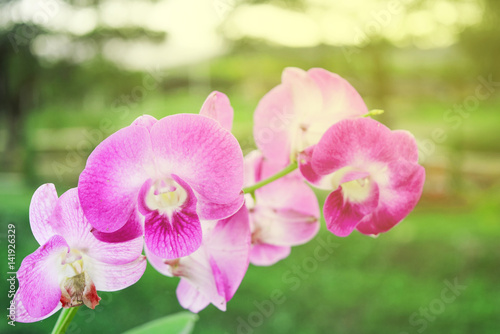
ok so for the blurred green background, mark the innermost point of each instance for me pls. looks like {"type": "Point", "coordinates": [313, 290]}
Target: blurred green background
{"type": "Point", "coordinates": [73, 72]}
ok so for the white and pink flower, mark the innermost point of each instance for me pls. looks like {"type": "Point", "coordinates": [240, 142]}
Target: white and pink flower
{"type": "Point", "coordinates": [295, 114]}
{"type": "Point", "coordinates": [373, 172]}
{"type": "Point", "coordinates": [71, 264]}
{"type": "Point", "coordinates": [283, 213]}
{"type": "Point", "coordinates": [171, 173]}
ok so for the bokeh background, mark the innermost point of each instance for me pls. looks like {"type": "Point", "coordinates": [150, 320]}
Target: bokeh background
{"type": "Point", "coordinates": [73, 72]}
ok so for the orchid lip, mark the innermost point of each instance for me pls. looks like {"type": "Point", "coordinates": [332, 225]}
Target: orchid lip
{"type": "Point", "coordinates": [77, 287]}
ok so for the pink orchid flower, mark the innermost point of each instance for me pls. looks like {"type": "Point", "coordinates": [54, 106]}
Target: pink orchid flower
{"type": "Point", "coordinates": [213, 273]}
{"type": "Point", "coordinates": [171, 172]}
{"type": "Point", "coordinates": [284, 213]}
{"type": "Point", "coordinates": [295, 114]}
{"type": "Point", "coordinates": [71, 264]}
{"type": "Point", "coordinates": [373, 172]}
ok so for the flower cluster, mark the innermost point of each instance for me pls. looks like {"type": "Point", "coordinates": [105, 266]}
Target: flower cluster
{"type": "Point", "coordinates": [180, 190]}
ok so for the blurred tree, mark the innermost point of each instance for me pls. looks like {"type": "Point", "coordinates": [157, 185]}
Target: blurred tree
{"type": "Point", "coordinates": [482, 42]}
{"type": "Point", "coordinates": [27, 77]}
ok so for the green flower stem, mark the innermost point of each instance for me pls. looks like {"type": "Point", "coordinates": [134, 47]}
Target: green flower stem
{"type": "Point", "coordinates": [65, 317]}
{"type": "Point", "coordinates": [287, 170]}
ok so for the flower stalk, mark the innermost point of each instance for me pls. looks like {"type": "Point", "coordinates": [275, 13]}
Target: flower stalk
{"type": "Point", "coordinates": [65, 318]}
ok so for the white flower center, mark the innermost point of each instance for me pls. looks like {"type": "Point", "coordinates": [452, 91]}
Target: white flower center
{"type": "Point", "coordinates": [357, 191]}
{"type": "Point", "coordinates": [165, 195]}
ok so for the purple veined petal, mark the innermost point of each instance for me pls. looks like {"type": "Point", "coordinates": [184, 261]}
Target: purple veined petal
{"type": "Point", "coordinates": [23, 316]}
{"type": "Point", "coordinates": [229, 246]}
{"type": "Point", "coordinates": [202, 153]}
{"type": "Point", "coordinates": [115, 171]}
{"type": "Point", "coordinates": [266, 255]}
{"type": "Point", "coordinates": [177, 233]}
{"type": "Point", "coordinates": [38, 277]}
{"type": "Point", "coordinates": [272, 119]}
{"type": "Point", "coordinates": [340, 99]}
{"type": "Point", "coordinates": [218, 107]}
{"type": "Point", "coordinates": [343, 214]}
{"type": "Point", "coordinates": [69, 221]}
{"type": "Point", "coordinates": [41, 207]}
{"type": "Point", "coordinates": [191, 298]}
{"type": "Point", "coordinates": [397, 199]}
{"type": "Point", "coordinates": [355, 143]}
{"type": "Point", "coordinates": [145, 121]}
{"type": "Point", "coordinates": [114, 277]}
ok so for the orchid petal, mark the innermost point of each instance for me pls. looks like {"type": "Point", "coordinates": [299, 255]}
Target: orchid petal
{"type": "Point", "coordinates": [38, 277]}
{"type": "Point", "coordinates": [198, 271]}
{"type": "Point", "coordinates": [145, 121]}
{"type": "Point", "coordinates": [287, 213]}
{"type": "Point", "coordinates": [354, 143]}
{"type": "Point", "coordinates": [266, 254]}
{"type": "Point", "coordinates": [307, 170]}
{"type": "Point", "coordinates": [192, 298]}
{"type": "Point", "coordinates": [272, 119]}
{"type": "Point", "coordinates": [23, 316]}
{"type": "Point", "coordinates": [306, 95]}
{"type": "Point", "coordinates": [212, 211]}
{"type": "Point", "coordinates": [218, 107]}
{"type": "Point", "coordinates": [406, 145]}
{"type": "Point", "coordinates": [132, 229]}
{"type": "Point", "coordinates": [114, 277]}
{"type": "Point", "coordinates": [397, 199]}
{"type": "Point", "coordinates": [41, 207]}
{"type": "Point", "coordinates": [115, 171]}
{"type": "Point", "coordinates": [340, 98]}
{"type": "Point", "coordinates": [229, 246]}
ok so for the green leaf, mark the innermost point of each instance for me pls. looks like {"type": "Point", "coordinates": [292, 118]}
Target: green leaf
{"type": "Point", "coordinates": [179, 323]}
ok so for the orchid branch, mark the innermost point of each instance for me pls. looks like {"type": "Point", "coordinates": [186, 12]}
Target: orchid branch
{"type": "Point", "coordinates": [287, 170]}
